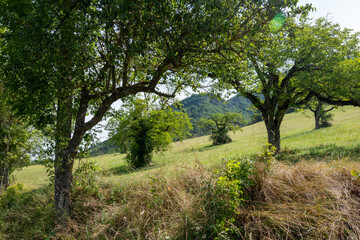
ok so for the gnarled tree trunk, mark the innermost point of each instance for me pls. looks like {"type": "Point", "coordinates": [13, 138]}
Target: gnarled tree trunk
{"type": "Point", "coordinates": [273, 124]}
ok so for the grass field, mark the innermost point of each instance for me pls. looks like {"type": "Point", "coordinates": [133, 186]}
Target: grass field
{"type": "Point", "coordinates": [298, 138]}
{"type": "Point", "coordinates": [309, 193]}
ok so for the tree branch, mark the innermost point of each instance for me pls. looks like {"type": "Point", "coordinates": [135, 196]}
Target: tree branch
{"type": "Point", "coordinates": [337, 102]}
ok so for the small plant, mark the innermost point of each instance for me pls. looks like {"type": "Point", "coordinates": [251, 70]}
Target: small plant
{"type": "Point", "coordinates": [232, 182]}
{"type": "Point", "coordinates": [267, 157]}
{"type": "Point", "coordinates": [85, 179]}
{"type": "Point", "coordinates": [235, 178]}
{"type": "Point", "coordinates": [355, 174]}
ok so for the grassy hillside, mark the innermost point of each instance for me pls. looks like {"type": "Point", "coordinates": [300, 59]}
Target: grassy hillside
{"type": "Point", "coordinates": [298, 138]}
{"type": "Point", "coordinates": [309, 194]}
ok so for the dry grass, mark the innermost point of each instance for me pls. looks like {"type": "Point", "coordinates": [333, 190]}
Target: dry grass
{"type": "Point", "coordinates": [305, 201]}
{"type": "Point", "coordinates": [160, 208]}
{"type": "Point", "coordinates": [308, 200]}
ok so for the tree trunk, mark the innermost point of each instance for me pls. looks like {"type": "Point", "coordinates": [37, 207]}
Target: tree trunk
{"type": "Point", "coordinates": [273, 131]}
{"type": "Point", "coordinates": [4, 179]}
{"type": "Point", "coordinates": [63, 182]}
{"type": "Point", "coordinates": [64, 160]}
{"type": "Point", "coordinates": [317, 114]}
{"type": "Point", "coordinates": [317, 119]}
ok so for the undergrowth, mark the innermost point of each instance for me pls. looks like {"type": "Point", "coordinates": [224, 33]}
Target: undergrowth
{"type": "Point", "coordinates": [257, 198]}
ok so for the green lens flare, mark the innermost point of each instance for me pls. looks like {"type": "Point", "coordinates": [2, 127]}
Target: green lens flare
{"type": "Point", "coordinates": [277, 22]}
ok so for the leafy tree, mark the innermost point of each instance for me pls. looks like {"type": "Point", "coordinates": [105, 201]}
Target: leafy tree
{"type": "Point", "coordinates": [64, 60]}
{"type": "Point", "coordinates": [145, 129]}
{"type": "Point", "coordinates": [277, 70]}
{"type": "Point", "coordinates": [15, 144]}
{"type": "Point", "coordinates": [342, 83]}
{"type": "Point", "coordinates": [220, 125]}
{"type": "Point", "coordinates": [321, 114]}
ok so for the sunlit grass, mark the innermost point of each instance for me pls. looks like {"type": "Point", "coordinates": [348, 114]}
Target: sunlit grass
{"type": "Point", "coordinates": [297, 131]}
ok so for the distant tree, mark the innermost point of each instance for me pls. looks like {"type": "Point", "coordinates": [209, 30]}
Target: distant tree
{"type": "Point", "coordinates": [321, 114]}
{"type": "Point", "coordinates": [203, 106]}
{"type": "Point", "coordinates": [220, 125]}
{"type": "Point", "coordinates": [144, 130]}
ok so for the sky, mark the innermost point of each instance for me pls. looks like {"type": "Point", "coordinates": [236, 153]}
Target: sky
{"type": "Point", "coordinates": [344, 12]}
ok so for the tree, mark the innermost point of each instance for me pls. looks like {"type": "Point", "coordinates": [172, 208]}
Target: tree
{"type": "Point", "coordinates": [66, 59]}
{"type": "Point", "coordinates": [278, 69]}
{"type": "Point", "coordinates": [15, 146]}
{"type": "Point", "coordinates": [220, 125]}
{"type": "Point", "coordinates": [342, 83]}
{"type": "Point", "coordinates": [321, 114]}
{"type": "Point", "coordinates": [145, 129]}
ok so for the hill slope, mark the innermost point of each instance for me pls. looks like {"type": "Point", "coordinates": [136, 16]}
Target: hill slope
{"type": "Point", "coordinates": [298, 137]}
{"type": "Point", "coordinates": [181, 197]}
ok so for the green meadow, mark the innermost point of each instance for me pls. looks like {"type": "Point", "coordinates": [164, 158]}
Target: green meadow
{"type": "Point", "coordinates": [299, 141]}
{"type": "Point", "coordinates": [180, 195]}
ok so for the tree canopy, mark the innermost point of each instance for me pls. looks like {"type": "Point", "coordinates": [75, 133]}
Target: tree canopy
{"type": "Point", "coordinates": [279, 68]}
{"type": "Point", "coordinates": [67, 59]}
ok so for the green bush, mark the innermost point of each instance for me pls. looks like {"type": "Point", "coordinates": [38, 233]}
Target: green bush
{"type": "Point", "coordinates": [11, 196]}
{"type": "Point", "coordinates": [223, 196]}
{"type": "Point", "coordinates": [146, 129]}
{"type": "Point", "coordinates": [85, 180]}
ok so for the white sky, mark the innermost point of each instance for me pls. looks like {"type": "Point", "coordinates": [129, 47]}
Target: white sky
{"type": "Point", "coordinates": [344, 12]}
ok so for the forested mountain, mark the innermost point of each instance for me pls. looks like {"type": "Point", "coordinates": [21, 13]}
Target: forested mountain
{"type": "Point", "coordinates": [105, 147]}
{"type": "Point", "coordinates": [203, 106]}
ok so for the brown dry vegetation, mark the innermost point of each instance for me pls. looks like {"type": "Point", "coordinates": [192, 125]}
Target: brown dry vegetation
{"type": "Point", "coordinates": [308, 200]}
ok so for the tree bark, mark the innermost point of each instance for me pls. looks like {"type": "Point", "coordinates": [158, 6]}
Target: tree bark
{"type": "Point", "coordinates": [4, 180]}
{"type": "Point", "coordinates": [273, 131]}
{"type": "Point", "coordinates": [317, 114]}
{"type": "Point", "coordinates": [63, 182]}
{"type": "Point", "coordinates": [64, 160]}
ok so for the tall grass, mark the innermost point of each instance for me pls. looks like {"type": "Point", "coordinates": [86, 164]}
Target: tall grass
{"type": "Point", "coordinates": [308, 193]}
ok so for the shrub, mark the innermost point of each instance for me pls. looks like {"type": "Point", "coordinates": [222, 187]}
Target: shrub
{"type": "Point", "coordinates": [146, 129]}
{"type": "Point", "coordinates": [11, 196]}
{"type": "Point", "coordinates": [85, 179]}
{"type": "Point", "coordinates": [227, 196]}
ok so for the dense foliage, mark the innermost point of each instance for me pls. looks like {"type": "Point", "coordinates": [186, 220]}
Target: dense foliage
{"type": "Point", "coordinates": [144, 129]}
{"type": "Point", "coordinates": [15, 143]}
